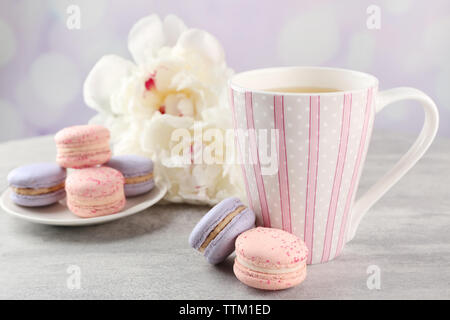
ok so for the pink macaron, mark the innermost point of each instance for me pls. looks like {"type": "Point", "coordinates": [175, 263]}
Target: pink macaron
{"type": "Point", "coordinates": [83, 146]}
{"type": "Point", "coordinates": [270, 259]}
{"type": "Point", "coordinates": [94, 192]}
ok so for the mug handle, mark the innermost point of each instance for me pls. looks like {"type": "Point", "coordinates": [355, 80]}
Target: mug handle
{"type": "Point", "coordinates": [409, 159]}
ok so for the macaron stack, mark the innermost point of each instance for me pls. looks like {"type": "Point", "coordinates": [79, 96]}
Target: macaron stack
{"type": "Point", "coordinates": [91, 191]}
{"type": "Point", "coordinates": [266, 258]}
{"type": "Point", "coordinates": [94, 188]}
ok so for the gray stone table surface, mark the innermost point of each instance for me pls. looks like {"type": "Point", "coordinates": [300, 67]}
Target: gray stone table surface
{"type": "Point", "coordinates": [147, 256]}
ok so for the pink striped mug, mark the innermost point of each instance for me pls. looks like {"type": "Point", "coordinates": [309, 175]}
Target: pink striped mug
{"type": "Point", "coordinates": [321, 141]}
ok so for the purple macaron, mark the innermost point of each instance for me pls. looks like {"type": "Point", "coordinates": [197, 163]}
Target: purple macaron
{"type": "Point", "coordinates": [138, 173]}
{"type": "Point", "coordinates": [216, 232]}
{"type": "Point", "coordinates": [37, 185]}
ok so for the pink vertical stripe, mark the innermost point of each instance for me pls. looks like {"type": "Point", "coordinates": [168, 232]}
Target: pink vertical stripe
{"type": "Point", "coordinates": [238, 147]}
{"type": "Point", "coordinates": [255, 157]}
{"type": "Point", "coordinates": [283, 173]}
{"type": "Point", "coordinates": [362, 144]}
{"type": "Point", "coordinates": [342, 154]}
{"type": "Point", "coordinates": [313, 162]}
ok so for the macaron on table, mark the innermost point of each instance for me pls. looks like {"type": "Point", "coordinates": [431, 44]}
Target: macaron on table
{"type": "Point", "coordinates": [216, 232]}
{"type": "Point", "coordinates": [270, 259]}
{"type": "Point", "coordinates": [266, 258]}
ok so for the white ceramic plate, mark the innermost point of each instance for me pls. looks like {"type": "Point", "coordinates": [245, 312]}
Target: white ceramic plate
{"type": "Point", "coordinates": [59, 215]}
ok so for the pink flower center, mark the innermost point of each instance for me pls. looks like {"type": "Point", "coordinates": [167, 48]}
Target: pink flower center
{"type": "Point", "coordinates": [150, 83]}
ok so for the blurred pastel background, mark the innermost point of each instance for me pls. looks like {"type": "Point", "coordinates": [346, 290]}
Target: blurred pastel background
{"type": "Point", "coordinates": [43, 64]}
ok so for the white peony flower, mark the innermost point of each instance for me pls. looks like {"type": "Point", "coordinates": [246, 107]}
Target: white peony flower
{"type": "Point", "coordinates": [178, 80]}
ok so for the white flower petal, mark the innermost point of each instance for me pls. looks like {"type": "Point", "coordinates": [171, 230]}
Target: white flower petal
{"type": "Point", "coordinates": [202, 43]}
{"type": "Point", "coordinates": [179, 105]}
{"type": "Point", "coordinates": [118, 126]}
{"type": "Point", "coordinates": [146, 38]}
{"type": "Point", "coordinates": [171, 103]}
{"type": "Point", "coordinates": [157, 132]}
{"type": "Point", "coordinates": [186, 107]}
{"type": "Point", "coordinates": [218, 117]}
{"type": "Point", "coordinates": [99, 119]}
{"type": "Point", "coordinates": [184, 71]}
{"type": "Point", "coordinates": [129, 140]}
{"type": "Point", "coordinates": [184, 80]}
{"type": "Point", "coordinates": [173, 28]}
{"type": "Point", "coordinates": [105, 79]}
{"type": "Point", "coordinates": [166, 69]}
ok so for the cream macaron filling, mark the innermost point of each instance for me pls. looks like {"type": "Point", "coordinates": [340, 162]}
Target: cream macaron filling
{"type": "Point", "coordinates": [135, 180]}
{"type": "Point", "coordinates": [270, 271]}
{"type": "Point", "coordinates": [67, 148]}
{"type": "Point", "coordinates": [86, 202]}
{"type": "Point", "coordinates": [222, 224]}
{"type": "Point", "coordinates": [37, 192]}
